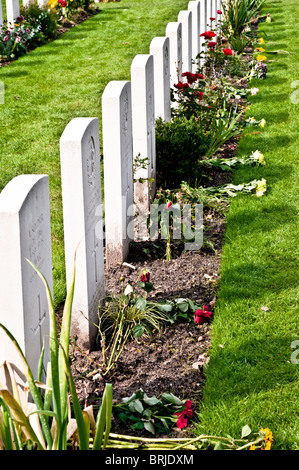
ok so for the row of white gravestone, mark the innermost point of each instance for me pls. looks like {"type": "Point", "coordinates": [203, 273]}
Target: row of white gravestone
{"type": "Point", "coordinates": [129, 110]}
{"type": "Point", "coordinates": [13, 10]}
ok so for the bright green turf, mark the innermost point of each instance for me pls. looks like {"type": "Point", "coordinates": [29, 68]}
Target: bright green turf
{"type": "Point", "coordinates": [63, 80]}
{"type": "Point", "coordinates": [250, 377]}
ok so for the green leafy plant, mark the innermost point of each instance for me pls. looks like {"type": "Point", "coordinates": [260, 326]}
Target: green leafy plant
{"type": "Point", "coordinates": [155, 415]}
{"type": "Point", "coordinates": [180, 143]}
{"type": "Point", "coordinates": [127, 316]}
{"type": "Point", "coordinates": [238, 14]}
{"type": "Point", "coordinates": [54, 423]}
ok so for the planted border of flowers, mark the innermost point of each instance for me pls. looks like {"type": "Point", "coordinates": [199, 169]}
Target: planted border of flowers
{"type": "Point", "coordinates": [37, 25]}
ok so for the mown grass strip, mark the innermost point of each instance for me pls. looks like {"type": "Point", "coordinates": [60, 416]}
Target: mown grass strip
{"type": "Point", "coordinates": [63, 80]}
{"type": "Point", "coordinates": [251, 377]}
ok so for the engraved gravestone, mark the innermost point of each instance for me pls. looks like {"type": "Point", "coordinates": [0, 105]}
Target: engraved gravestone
{"type": "Point", "coordinates": [118, 169]}
{"type": "Point", "coordinates": [25, 234]}
{"type": "Point", "coordinates": [1, 20]}
{"type": "Point", "coordinates": [159, 49]}
{"type": "Point", "coordinates": [143, 127]}
{"type": "Point", "coordinates": [82, 216]}
{"type": "Point", "coordinates": [12, 10]}
{"type": "Point", "coordinates": [185, 17]}
{"type": "Point", "coordinates": [174, 33]}
{"type": "Point", "coordinates": [194, 7]}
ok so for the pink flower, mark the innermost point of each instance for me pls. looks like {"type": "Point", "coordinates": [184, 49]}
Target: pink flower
{"type": "Point", "coordinates": [219, 12]}
{"type": "Point", "coordinates": [227, 52]}
{"type": "Point", "coordinates": [5, 38]}
{"type": "Point", "coordinates": [168, 204]}
{"type": "Point", "coordinates": [18, 39]}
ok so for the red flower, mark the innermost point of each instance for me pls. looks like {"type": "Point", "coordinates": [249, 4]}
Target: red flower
{"type": "Point", "coordinates": [227, 51]}
{"type": "Point", "coordinates": [145, 277]}
{"type": "Point", "coordinates": [201, 316]}
{"type": "Point", "coordinates": [199, 76]}
{"type": "Point", "coordinates": [219, 12]}
{"type": "Point", "coordinates": [62, 3]}
{"type": "Point", "coordinates": [212, 19]}
{"type": "Point", "coordinates": [212, 44]}
{"type": "Point", "coordinates": [208, 34]}
{"type": "Point", "coordinates": [168, 204]}
{"type": "Point", "coordinates": [184, 415]}
{"type": "Point", "coordinates": [199, 94]}
{"type": "Point", "coordinates": [181, 86]}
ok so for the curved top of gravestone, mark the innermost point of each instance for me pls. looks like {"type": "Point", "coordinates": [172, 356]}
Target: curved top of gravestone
{"type": "Point", "coordinates": [76, 128]}
{"type": "Point", "coordinates": [15, 193]}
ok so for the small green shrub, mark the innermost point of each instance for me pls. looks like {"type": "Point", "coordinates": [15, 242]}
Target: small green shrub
{"type": "Point", "coordinates": [180, 144]}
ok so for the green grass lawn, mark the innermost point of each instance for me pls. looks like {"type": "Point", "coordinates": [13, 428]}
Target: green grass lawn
{"type": "Point", "coordinates": [250, 377]}
{"type": "Point", "coordinates": [63, 80]}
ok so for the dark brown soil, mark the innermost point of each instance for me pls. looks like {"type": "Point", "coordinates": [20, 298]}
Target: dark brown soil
{"type": "Point", "coordinates": [174, 360]}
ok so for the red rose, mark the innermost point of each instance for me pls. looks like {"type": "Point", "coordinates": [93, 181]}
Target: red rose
{"type": "Point", "coordinates": [62, 3]}
{"type": "Point", "coordinates": [199, 94]}
{"type": "Point", "coordinates": [227, 51]}
{"type": "Point", "coordinates": [212, 19]}
{"type": "Point", "coordinates": [181, 86]}
{"type": "Point", "coordinates": [219, 12]}
{"type": "Point", "coordinates": [201, 316]}
{"type": "Point", "coordinates": [184, 415]}
{"type": "Point", "coordinates": [145, 277]}
{"type": "Point", "coordinates": [208, 34]}
{"type": "Point", "coordinates": [212, 44]}
{"type": "Point", "coordinates": [199, 76]}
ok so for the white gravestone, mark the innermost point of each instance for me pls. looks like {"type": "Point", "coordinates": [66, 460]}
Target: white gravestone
{"type": "Point", "coordinates": [25, 233]}
{"type": "Point", "coordinates": [1, 16]}
{"type": "Point", "coordinates": [143, 127]}
{"type": "Point", "coordinates": [159, 49]}
{"type": "Point", "coordinates": [185, 17]}
{"type": "Point", "coordinates": [202, 22]}
{"type": "Point", "coordinates": [174, 33]}
{"type": "Point", "coordinates": [12, 10]}
{"type": "Point", "coordinates": [82, 215]}
{"type": "Point", "coordinates": [194, 7]}
{"type": "Point", "coordinates": [118, 169]}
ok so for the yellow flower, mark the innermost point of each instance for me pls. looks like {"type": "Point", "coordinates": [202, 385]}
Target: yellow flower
{"type": "Point", "coordinates": [252, 447]}
{"type": "Point", "coordinates": [261, 58]}
{"type": "Point", "coordinates": [260, 189]}
{"type": "Point", "coordinates": [260, 49]}
{"type": "Point", "coordinates": [261, 40]}
{"type": "Point", "coordinates": [262, 123]}
{"type": "Point", "coordinates": [267, 432]}
{"type": "Point", "coordinates": [268, 19]}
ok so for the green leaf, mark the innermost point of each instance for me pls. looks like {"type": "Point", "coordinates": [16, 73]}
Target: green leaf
{"type": "Point", "coordinates": [151, 401]}
{"type": "Point", "coordinates": [138, 331]}
{"type": "Point", "coordinates": [245, 431]}
{"type": "Point", "coordinates": [128, 289]}
{"type": "Point", "coordinates": [148, 287]}
{"type": "Point", "coordinates": [139, 425]}
{"type": "Point", "coordinates": [172, 399]}
{"type": "Point", "coordinates": [138, 406]}
{"type": "Point", "coordinates": [141, 303]}
{"type": "Point", "coordinates": [149, 427]}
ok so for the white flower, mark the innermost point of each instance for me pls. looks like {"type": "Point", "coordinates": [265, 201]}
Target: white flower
{"type": "Point", "coordinates": [254, 91]}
